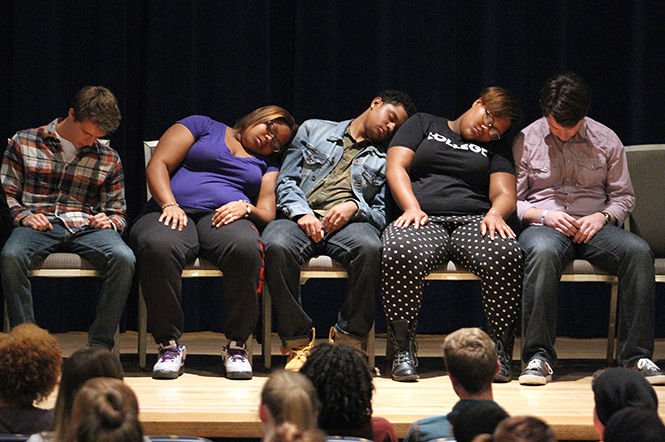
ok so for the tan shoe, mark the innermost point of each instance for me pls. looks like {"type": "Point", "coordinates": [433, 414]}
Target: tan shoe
{"type": "Point", "coordinates": [298, 356]}
{"type": "Point", "coordinates": [335, 336]}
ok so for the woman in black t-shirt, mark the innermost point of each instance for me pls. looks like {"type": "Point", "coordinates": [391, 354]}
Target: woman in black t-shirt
{"type": "Point", "coordinates": [455, 182]}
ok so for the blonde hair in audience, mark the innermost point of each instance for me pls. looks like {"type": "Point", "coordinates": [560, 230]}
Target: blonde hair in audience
{"type": "Point", "coordinates": [291, 397]}
{"type": "Point", "coordinates": [105, 410]}
{"type": "Point", "coordinates": [288, 432]}
{"type": "Point", "coordinates": [471, 358]}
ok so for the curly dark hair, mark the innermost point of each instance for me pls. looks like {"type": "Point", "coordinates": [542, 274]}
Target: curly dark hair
{"type": "Point", "coordinates": [342, 378]}
{"type": "Point", "coordinates": [30, 361]}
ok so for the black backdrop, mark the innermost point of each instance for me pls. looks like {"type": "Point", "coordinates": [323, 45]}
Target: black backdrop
{"type": "Point", "coordinates": [322, 59]}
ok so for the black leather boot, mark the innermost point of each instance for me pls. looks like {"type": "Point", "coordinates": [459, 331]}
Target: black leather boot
{"type": "Point", "coordinates": [504, 350]}
{"type": "Point", "coordinates": [403, 343]}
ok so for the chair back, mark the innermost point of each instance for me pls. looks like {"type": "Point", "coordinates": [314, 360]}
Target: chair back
{"type": "Point", "coordinates": [148, 149]}
{"type": "Point", "coordinates": [646, 164]}
{"type": "Point", "coordinates": [14, 437]}
{"type": "Point", "coordinates": [177, 438]}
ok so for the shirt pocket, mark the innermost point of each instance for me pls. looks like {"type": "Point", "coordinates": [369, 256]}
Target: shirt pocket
{"type": "Point", "coordinates": [543, 173]}
{"type": "Point", "coordinates": [313, 160]}
{"type": "Point", "coordinates": [373, 176]}
{"type": "Point", "coordinates": [591, 170]}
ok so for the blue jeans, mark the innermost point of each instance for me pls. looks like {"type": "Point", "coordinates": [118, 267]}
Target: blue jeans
{"type": "Point", "coordinates": [357, 246]}
{"type": "Point", "coordinates": [105, 249]}
{"type": "Point", "coordinates": [547, 252]}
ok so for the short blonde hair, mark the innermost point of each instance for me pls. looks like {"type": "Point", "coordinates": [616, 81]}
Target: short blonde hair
{"type": "Point", "coordinates": [471, 358]}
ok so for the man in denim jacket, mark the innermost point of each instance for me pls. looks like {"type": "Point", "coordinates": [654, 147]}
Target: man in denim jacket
{"type": "Point", "coordinates": [331, 191]}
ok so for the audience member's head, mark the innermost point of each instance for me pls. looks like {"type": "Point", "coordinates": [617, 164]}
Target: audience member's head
{"type": "Point", "coordinates": [83, 364]}
{"type": "Point", "coordinates": [471, 360]}
{"type": "Point", "coordinates": [618, 388]}
{"type": "Point", "coordinates": [343, 381]}
{"type": "Point", "coordinates": [523, 429]}
{"type": "Point", "coordinates": [634, 424]}
{"type": "Point", "coordinates": [476, 418]}
{"type": "Point", "coordinates": [288, 432]}
{"type": "Point", "coordinates": [30, 361]}
{"type": "Point", "coordinates": [105, 410]}
{"type": "Point", "coordinates": [288, 397]}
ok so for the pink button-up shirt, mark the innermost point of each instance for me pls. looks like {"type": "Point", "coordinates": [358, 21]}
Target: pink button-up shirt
{"type": "Point", "coordinates": [586, 174]}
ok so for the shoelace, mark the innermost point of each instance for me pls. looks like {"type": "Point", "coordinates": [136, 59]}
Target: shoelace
{"type": "Point", "coordinates": [405, 356]}
{"type": "Point", "coordinates": [236, 354]}
{"type": "Point", "coordinates": [534, 365]}
{"type": "Point", "coordinates": [169, 354]}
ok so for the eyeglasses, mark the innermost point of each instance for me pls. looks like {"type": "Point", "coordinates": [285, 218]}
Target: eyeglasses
{"type": "Point", "coordinates": [488, 119]}
{"type": "Point", "coordinates": [272, 131]}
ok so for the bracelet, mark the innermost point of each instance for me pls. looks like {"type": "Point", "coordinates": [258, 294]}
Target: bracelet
{"type": "Point", "coordinates": [164, 206]}
{"type": "Point", "coordinates": [542, 216]}
{"type": "Point", "coordinates": [249, 208]}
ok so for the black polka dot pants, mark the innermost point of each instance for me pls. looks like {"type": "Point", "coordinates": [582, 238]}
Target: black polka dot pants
{"type": "Point", "coordinates": [409, 255]}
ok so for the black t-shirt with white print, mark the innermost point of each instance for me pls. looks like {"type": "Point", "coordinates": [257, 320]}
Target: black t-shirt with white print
{"type": "Point", "coordinates": [450, 175]}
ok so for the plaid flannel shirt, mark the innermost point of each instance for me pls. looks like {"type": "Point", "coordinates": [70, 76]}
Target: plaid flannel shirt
{"type": "Point", "coordinates": [36, 179]}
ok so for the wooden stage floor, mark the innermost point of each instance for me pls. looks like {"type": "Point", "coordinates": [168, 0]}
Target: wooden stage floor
{"type": "Point", "coordinates": [203, 403]}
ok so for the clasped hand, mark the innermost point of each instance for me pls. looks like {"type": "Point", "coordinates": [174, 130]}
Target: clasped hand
{"type": "Point", "coordinates": [335, 219]}
{"type": "Point", "coordinates": [38, 221]}
{"type": "Point", "coordinates": [581, 230]}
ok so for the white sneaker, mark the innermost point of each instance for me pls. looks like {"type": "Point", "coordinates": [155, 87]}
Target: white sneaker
{"type": "Point", "coordinates": [171, 362]}
{"type": "Point", "coordinates": [234, 358]}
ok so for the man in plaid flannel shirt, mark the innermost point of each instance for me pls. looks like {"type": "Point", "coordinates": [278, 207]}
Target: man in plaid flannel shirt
{"type": "Point", "coordinates": [65, 192]}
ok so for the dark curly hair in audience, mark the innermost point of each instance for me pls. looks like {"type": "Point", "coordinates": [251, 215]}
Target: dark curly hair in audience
{"type": "Point", "coordinates": [30, 361]}
{"type": "Point", "coordinates": [342, 378]}
{"type": "Point", "coordinates": [105, 410]}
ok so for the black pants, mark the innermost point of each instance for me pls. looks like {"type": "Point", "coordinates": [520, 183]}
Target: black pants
{"type": "Point", "coordinates": [409, 255]}
{"type": "Point", "coordinates": [162, 253]}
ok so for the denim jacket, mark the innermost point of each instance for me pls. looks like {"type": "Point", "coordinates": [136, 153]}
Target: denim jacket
{"type": "Point", "coordinates": [314, 152]}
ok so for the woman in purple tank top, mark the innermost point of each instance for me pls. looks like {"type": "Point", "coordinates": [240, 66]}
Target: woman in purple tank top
{"type": "Point", "coordinates": [212, 186]}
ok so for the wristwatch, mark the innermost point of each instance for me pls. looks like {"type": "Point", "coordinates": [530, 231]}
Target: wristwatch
{"type": "Point", "coordinates": [608, 217]}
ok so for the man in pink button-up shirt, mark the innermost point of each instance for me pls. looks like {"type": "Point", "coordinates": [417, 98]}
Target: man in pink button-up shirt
{"type": "Point", "coordinates": [573, 194]}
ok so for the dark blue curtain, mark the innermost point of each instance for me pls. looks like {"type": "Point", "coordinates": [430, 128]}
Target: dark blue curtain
{"type": "Point", "coordinates": [167, 59]}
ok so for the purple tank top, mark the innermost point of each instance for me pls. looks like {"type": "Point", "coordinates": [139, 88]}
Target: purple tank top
{"type": "Point", "coordinates": [210, 176]}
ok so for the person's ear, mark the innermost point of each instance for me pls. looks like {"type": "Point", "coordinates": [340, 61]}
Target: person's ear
{"type": "Point", "coordinates": [264, 413]}
{"type": "Point", "coordinates": [498, 367]}
{"type": "Point", "coordinates": [375, 102]}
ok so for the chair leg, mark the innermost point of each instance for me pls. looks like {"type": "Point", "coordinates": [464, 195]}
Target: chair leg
{"type": "Point", "coordinates": [143, 330]}
{"type": "Point", "coordinates": [371, 347]}
{"type": "Point", "coordinates": [612, 332]}
{"type": "Point", "coordinates": [267, 328]}
{"type": "Point", "coordinates": [116, 340]}
{"type": "Point", "coordinates": [5, 322]}
{"type": "Point", "coordinates": [250, 349]}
